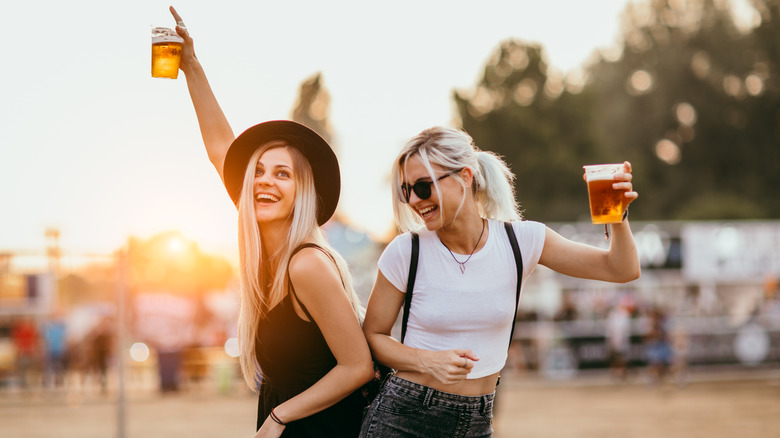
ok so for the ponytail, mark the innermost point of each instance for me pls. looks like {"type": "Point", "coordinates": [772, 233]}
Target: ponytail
{"type": "Point", "coordinates": [494, 188]}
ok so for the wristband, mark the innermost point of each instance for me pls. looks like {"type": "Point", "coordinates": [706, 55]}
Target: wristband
{"type": "Point", "coordinates": [276, 419]}
{"type": "Point", "coordinates": [606, 227]}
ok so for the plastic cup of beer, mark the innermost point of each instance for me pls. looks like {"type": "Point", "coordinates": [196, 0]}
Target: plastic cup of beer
{"type": "Point", "coordinates": [166, 53]}
{"type": "Point", "coordinates": [606, 203]}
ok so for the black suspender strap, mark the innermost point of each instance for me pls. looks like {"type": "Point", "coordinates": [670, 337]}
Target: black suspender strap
{"type": "Point", "coordinates": [519, 263]}
{"type": "Point", "coordinates": [413, 273]}
{"type": "Point", "coordinates": [510, 231]}
{"type": "Point", "coordinates": [410, 283]}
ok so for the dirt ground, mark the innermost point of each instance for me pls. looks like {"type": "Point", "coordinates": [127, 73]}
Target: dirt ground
{"type": "Point", "coordinates": [719, 406]}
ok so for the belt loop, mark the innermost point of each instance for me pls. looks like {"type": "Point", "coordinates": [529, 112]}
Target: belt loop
{"type": "Point", "coordinates": [428, 397]}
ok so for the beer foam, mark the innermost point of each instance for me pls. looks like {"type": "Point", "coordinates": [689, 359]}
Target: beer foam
{"type": "Point", "coordinates": [165, 35]}
{"type": "Point", "coordinates": [601, 172]}
{"type": "Point", "coordinates": [166, 39]}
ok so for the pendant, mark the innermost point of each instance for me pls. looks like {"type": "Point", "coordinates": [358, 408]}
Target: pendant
{"type": "Point", "coordinates": [462, 268]}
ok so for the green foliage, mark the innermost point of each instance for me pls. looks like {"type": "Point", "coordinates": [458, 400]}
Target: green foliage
{"type": "Point", "coordinates": [693, 103]}
{"type": "Point", "coordinates": [519, 113]}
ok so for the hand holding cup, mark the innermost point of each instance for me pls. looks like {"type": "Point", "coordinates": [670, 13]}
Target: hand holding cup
{"type": "Point", "coordinates": [188, 47]}
{"type": "Point", "coordinates": [610, 191]}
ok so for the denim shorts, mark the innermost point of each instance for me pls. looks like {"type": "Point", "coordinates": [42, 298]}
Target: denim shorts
{"type": "Point", "coordinates": [407, 409]}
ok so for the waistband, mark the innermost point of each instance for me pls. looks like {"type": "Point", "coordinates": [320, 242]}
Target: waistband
{"type": "Point", "coordinates": [431, 396]}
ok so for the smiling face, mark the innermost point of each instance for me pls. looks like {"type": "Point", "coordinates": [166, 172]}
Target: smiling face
{"type": "Point", "coordinates": [274, 186]}
{"type": "Point", "coordinates": [440, 209]}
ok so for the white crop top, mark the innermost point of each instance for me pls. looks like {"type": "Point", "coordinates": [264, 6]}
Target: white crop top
{"type": "Point", "coordinates": [473, 309]}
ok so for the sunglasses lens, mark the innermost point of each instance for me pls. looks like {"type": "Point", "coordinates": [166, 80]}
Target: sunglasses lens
{"type": "Point", "coordinates": [406, 193]}
{"type": "Point", "coordinates": [422, 190]}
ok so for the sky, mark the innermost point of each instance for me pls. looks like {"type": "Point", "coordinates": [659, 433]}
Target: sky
{"type": "Point", "coordinates": [94, 146]}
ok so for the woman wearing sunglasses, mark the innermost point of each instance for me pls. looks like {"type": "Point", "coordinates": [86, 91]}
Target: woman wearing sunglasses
{"type": "Point", "coordinates": [464, 296]}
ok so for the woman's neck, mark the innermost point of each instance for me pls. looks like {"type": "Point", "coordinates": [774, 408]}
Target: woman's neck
{"type": "Point", "coordinates": [273, 237]}
{"type": "Point", "coordinates": [465, 234]}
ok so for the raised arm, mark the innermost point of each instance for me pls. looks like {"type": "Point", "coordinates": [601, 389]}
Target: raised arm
{"type": "Point", "coordinates": [214, 127]}
{"type": "Point", "coordinates": [618, 264]}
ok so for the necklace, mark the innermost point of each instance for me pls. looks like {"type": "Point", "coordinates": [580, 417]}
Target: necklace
{"type": "Point", "coordinates": [462, 264]}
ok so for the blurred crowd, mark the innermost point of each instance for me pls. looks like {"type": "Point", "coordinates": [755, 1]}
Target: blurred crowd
{"type": "Point", "coordinates": [629, 340]}
{"type": "Point", "coordinates": [37, 353]}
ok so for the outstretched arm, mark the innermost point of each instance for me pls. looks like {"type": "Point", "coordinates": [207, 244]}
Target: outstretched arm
{"type": "Point", "coordinates": [214, 127]}
{"type": "Point", "coordinates": [618, 264]}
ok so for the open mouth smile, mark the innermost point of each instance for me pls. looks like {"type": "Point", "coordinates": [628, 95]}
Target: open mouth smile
{"type": "Point", "coordinates": [427, 212]}
{"type": "Point", "coordinates": [266, 198]}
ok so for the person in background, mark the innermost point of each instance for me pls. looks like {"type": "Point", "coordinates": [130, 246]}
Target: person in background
{"type": "Point", "coordinates": [299, 321]}
{"type": "Point", "coordinates": [618, 337]}
{"type": "Point", "coordinates": [658, 346]}
{"type": "Point", "coordinates": [56, 349]}
{"type": "Point", "coordinates": [27, 345]}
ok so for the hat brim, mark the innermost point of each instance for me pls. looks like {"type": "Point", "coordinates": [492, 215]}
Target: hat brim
{"type": "Point", "coordinates": [323, 161]}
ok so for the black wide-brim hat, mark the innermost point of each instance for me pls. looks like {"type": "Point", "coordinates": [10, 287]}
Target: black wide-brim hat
{"type": "Point", "coordinates": [323, 161]}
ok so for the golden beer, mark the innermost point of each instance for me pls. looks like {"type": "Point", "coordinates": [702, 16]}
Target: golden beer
{"type": "Point", "coordinates": [166, 53]}
{"type": "Point", "coordinates": [606, 203]}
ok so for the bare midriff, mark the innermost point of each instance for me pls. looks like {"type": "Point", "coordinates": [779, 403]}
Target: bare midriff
{"type": "Point", "coordinates": [470, 387]}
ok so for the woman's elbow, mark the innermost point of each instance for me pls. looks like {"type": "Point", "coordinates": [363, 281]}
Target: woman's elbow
{"type": "Point", "coordinates": [628, 275]}
{"type": "Point", "coordinates": [365, 372]}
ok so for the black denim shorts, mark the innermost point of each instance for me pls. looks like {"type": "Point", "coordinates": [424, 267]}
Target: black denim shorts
{"type": "Point", "coordinates": [407, 409]}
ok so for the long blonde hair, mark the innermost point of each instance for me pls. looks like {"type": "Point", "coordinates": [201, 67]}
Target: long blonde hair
{"type": "Point", "coordinates": [260, 288]}
{"type": "Point", "coordinates": [493, 184]}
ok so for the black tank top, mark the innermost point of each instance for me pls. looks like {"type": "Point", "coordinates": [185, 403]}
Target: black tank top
{"type": "Point", "coordinates": [293, 355]}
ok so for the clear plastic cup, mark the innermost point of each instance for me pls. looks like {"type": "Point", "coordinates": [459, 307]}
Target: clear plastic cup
{"type": "Point", "coordinates": [606, 204]}
{"type": "Point", "coordinates": [166, 53]}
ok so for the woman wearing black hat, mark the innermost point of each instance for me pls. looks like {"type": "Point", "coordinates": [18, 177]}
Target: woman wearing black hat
{"type": "Point", "coordinates": [300, 319]}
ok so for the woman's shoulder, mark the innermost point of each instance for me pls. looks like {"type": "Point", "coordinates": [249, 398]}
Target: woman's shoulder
{"type": "Point", "coordinates": [309, 257]}
{"type": "Point", "coordinates": [530, 234]}
{"type": "Point", "coordinates": [524, 225]}
{"type": "Point", "coordinates": [404, 240]}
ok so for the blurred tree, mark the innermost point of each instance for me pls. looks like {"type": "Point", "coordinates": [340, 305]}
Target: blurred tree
{"type": "Point", "coordinates": [312, 106]}
{"type": "Point", "coordinates": [539, 123]}
{"type": "Point", "coordinates": [693, 101]}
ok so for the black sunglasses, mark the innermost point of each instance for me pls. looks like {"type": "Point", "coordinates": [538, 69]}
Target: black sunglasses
{"type": "Point", "coordinates": [421, 188]}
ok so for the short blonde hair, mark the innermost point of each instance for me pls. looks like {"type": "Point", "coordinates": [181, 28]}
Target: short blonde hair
{"type": "Point", "coordinates": [493, 184]}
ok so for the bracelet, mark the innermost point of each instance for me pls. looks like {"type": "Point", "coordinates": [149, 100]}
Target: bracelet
{"type": "Point", "coordinates": [276, 419]}
{"type": "Point", "coordinates": [606, 227]}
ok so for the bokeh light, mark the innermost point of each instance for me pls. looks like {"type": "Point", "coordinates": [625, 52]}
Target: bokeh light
{"type": "Point", "coordinates": [553, 87]}
{"type": "Point", "coordinates": [525, 92]}
{"type": "Point", "coordinates": [232, 348]}
{"type": "Point", "coordinates": [575, 81]}
{"type": "Point", "coordinates": [139, 352]}
{"type": "Point", "coordinates": [733, 86]}
{"type": "Point", "coordinates": [668, 151]}
{"type": "Point", "coordinates": [640, 82]}
{"type": "Point", "coordinates": [700, 64]}
{"type": "Point", "coordinates": [686, 113]}
{"type": "Point", "coordinates": [754, 84]}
